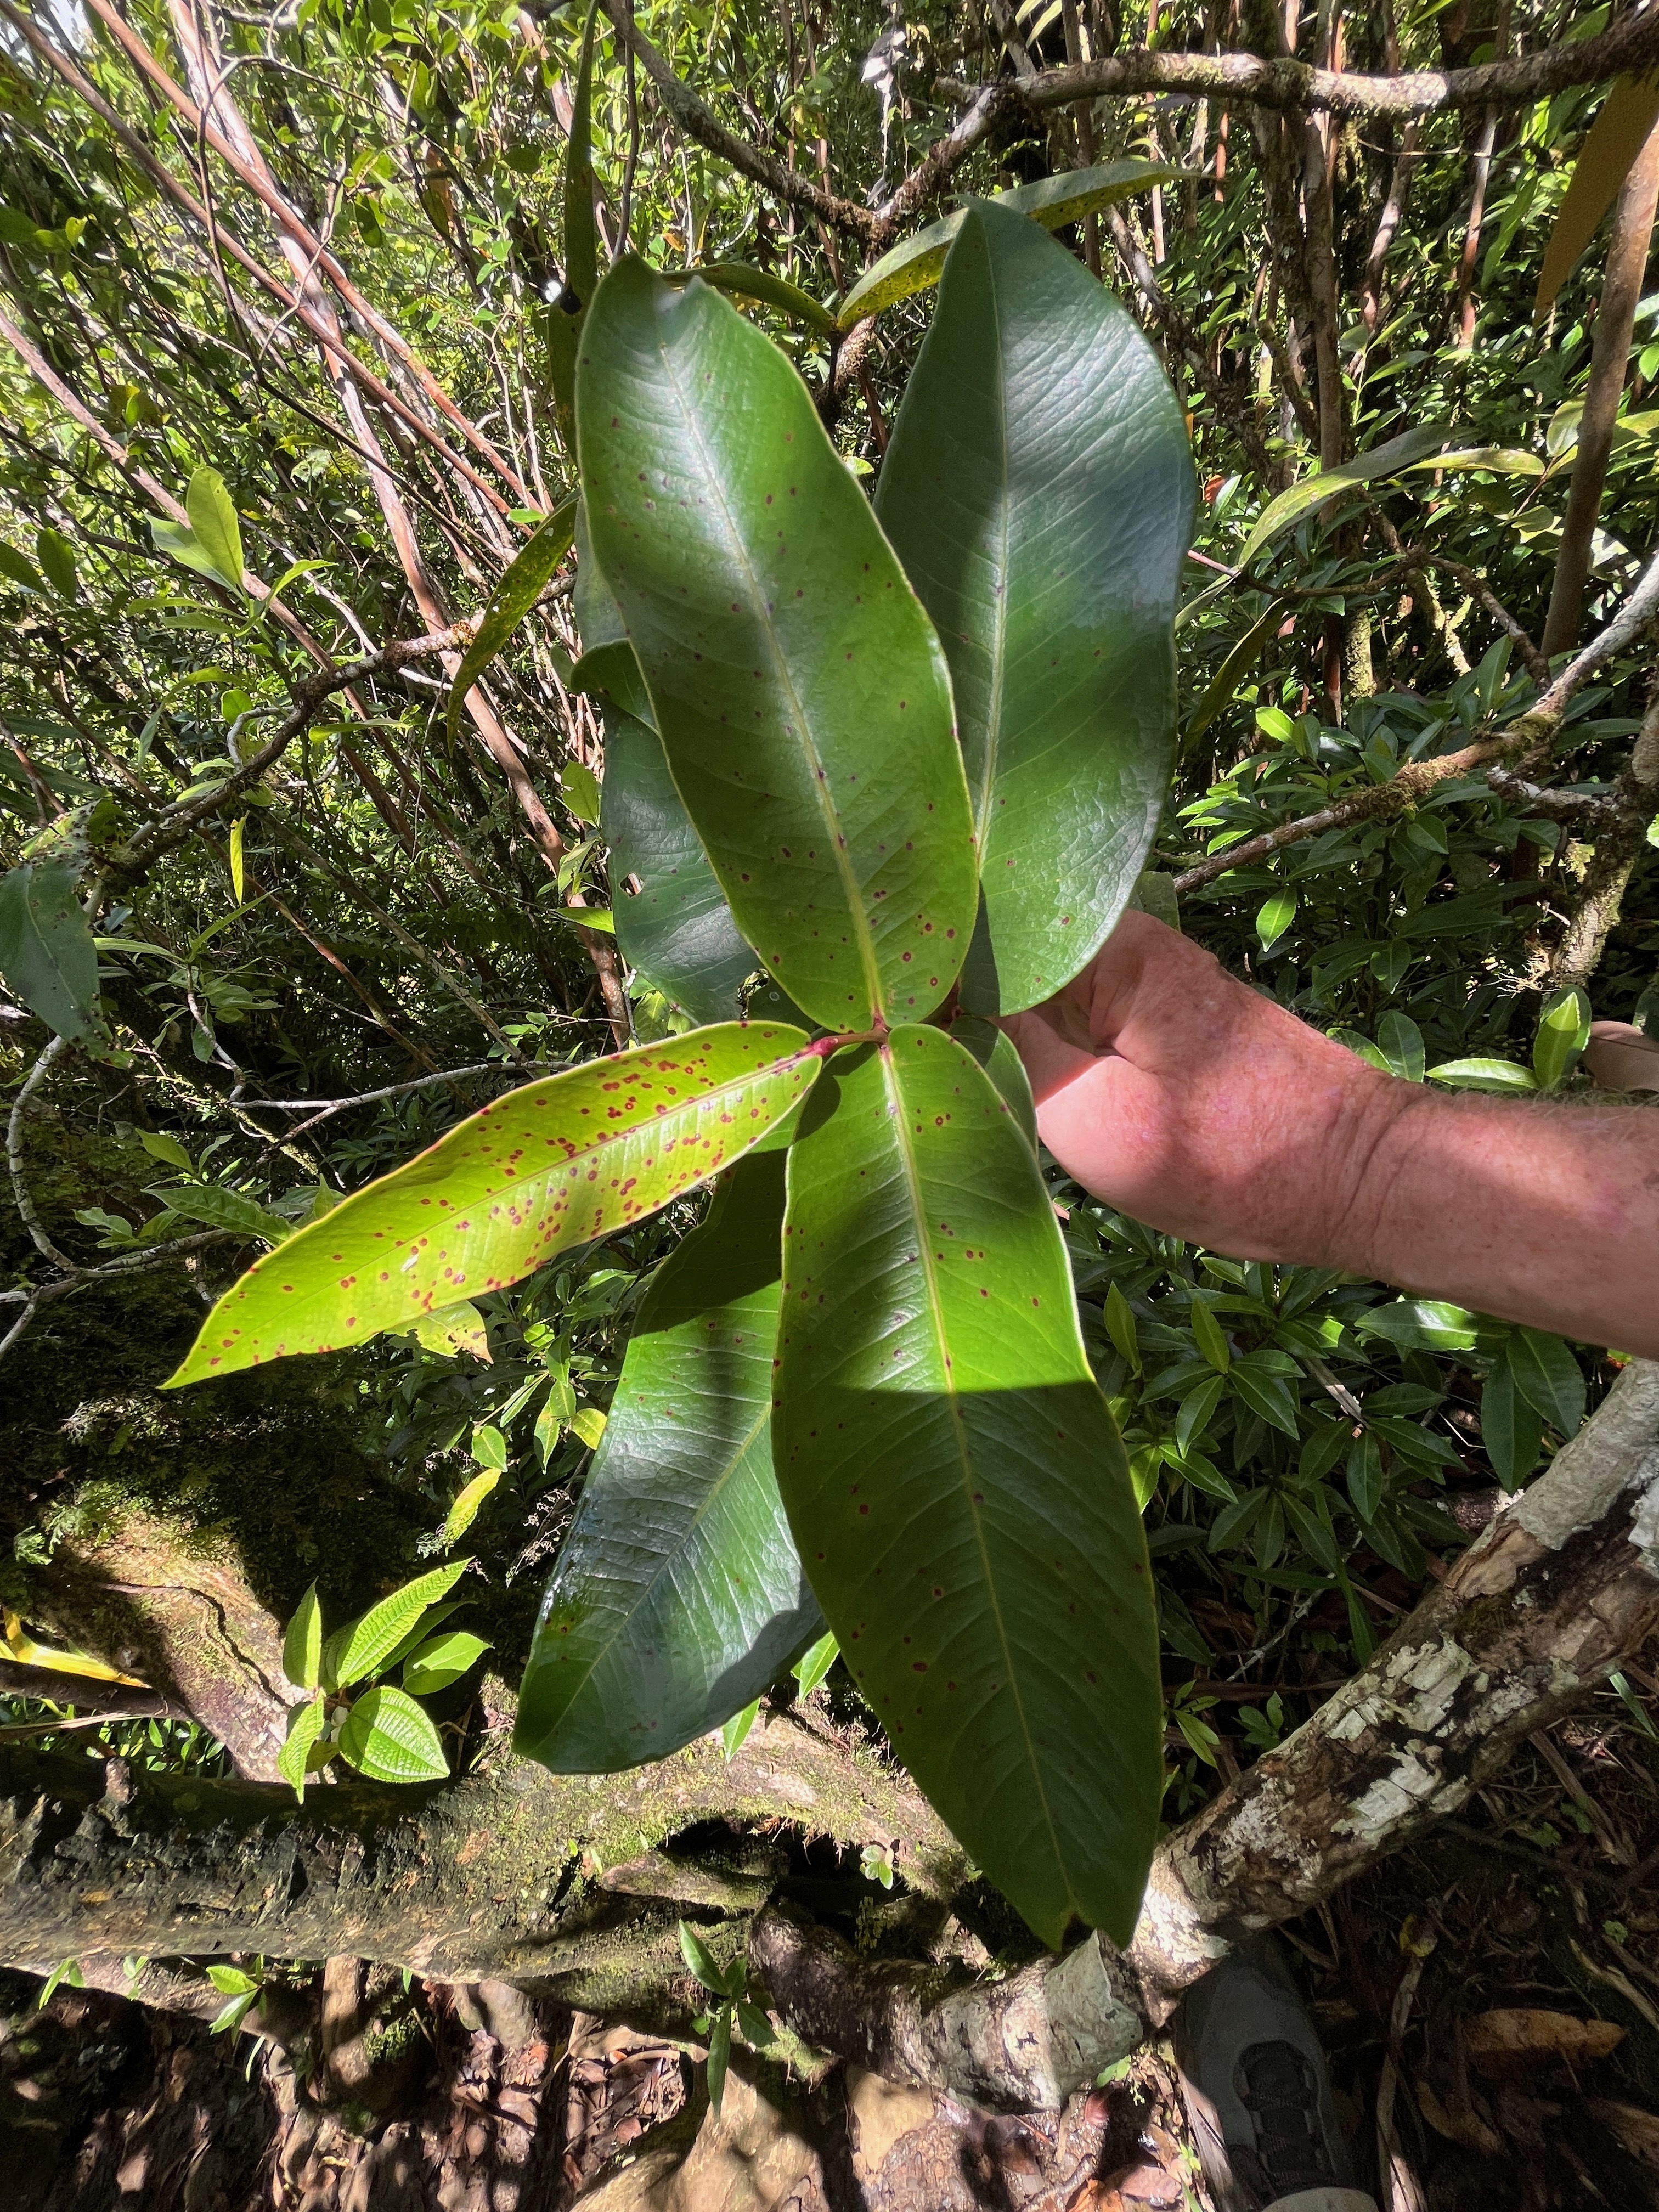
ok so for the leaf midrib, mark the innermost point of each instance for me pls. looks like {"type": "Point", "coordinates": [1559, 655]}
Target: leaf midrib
{"type": "Point", "coordinates": [1000, 599]}
{"type": "Point", "coordinates": [935, 1310]}
{"type": "Point", "coordinates": [819, 775]}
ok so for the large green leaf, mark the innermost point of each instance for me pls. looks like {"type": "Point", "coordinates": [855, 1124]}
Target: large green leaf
{"type": "Point", "coordinates": [552, 1165]}
{"type": "Point", "coordinates": [1548, 1378]}
{"type": "Point", "coordinates": [46, 951]}
{"type": "Point", "coordinates": [526, 579]}
{"type": "Point", "coordinates": [1039, 491]}
{"type": "Point", "coordinates": [915, 263]}
{"type": "Point", "coordinates": [678, 929]}
{"type": "Point", "coordinates": [801, 691]}
{"type": "Point", "coordinates": [956, 1486]}
{"type": "Point", "coordinates": [678, 1594]}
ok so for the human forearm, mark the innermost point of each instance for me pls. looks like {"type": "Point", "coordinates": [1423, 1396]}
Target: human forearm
{"type": "Point", "coordinates": [1540, 1213]}
{"type": "Point", "coordinates": [1171, 1090]}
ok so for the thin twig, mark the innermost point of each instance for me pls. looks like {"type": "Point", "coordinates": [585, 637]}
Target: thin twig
{"type": "Point", "coordinates": [20, 1189]}
{"type": "Point", "coordinates": [700, 122]}
{"type": "Point", "coordinates": [176, 823]}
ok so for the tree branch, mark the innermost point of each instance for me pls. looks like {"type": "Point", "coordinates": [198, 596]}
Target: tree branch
{"type": "Point", "coordinates": [701, 122]}
{"type": "Point", "coordinates": [1531, 734]}
{"type": "Point", "coordinates": [1631, 45]}
{"type": "Point", "coordinates": [1285, 85]}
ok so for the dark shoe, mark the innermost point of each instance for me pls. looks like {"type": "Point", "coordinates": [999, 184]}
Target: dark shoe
{"type": "Point", "coordinates": [1257, 2092]}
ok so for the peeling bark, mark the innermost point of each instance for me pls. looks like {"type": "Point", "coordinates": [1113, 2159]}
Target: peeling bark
{"type": "Point", "coordinates": [1562, 1586]}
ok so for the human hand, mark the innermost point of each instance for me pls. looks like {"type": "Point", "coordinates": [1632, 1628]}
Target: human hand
{"type": "Point", "coordinates": [1177, 1093]}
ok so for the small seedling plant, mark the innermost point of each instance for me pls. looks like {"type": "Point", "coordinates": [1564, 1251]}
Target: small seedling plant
{"type": "Point", "coordinates": [903, 762]}
{"type": "Point", "coordinates": [734, 2009]}
{"type": "Point", "coordinates": [350, 1712]}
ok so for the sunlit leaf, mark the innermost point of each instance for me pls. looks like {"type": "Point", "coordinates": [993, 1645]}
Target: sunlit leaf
{"type": "Point", "coordinates": [1616, 137]}
{"type": "Point", "coordinates": [955, 1482]}
{"type": "Point", "coordinates": [547, 1167]}
{"type": "Point", "coordinates": [302, 1644]}
{"type": "Point", "coordinates": [305, 1725]}
{"type": "Point", "coordinates": [369, 1641]}
{"type": "Point", "coordinates": [1383, 460]}
{"type": "Point", "coordinates": [1054, 201]}
{"type": "Point", "coordinates": [387, 1737]}
{"type": "Point", "coordinates": [525, 580]}
{"type": "Point", "coordinates": [214, 525]}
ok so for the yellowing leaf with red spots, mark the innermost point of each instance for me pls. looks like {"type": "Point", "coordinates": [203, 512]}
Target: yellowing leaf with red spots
{"type": "Point", "coordinates": [553, 1165]}
{"type": "Point", "coordinates": [956, 1486]}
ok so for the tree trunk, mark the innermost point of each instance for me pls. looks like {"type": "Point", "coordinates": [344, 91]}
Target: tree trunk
{"type": "Point", "coordinates": [174, 1607]}
{"type": "Point", "coordinates": [490, 1877]}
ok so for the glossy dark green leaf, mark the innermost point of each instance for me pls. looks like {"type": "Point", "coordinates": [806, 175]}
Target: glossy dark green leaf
{"type": "Point", "coordinates": [1366, 1475]}
{"type": "Point", "coordinates": [1039, 491]}
{"type": "Point", "coordinates": [915, 262]}
{"type": "Point", "coordinates": [1509, 1429]}
{"type": "Point", "coordinates": [956, 1486]}
{"type": "Point", "coordinates": [46, 951]}
{"type": "Point", "coordinates": [528, 577]}
{"type": "Point", "coordinates": [677, 929]}
{"type": "Point", "coordinates": [801, 691]}
{"type": "Point", "coordinates": [550, 1166]}
{"type": "Point", "coordinates": [677, 1596]}
{"type": "Point", "coordinates": [1265, 1392]}
{"type": "Point", "coordinates": [1548, 1378]}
